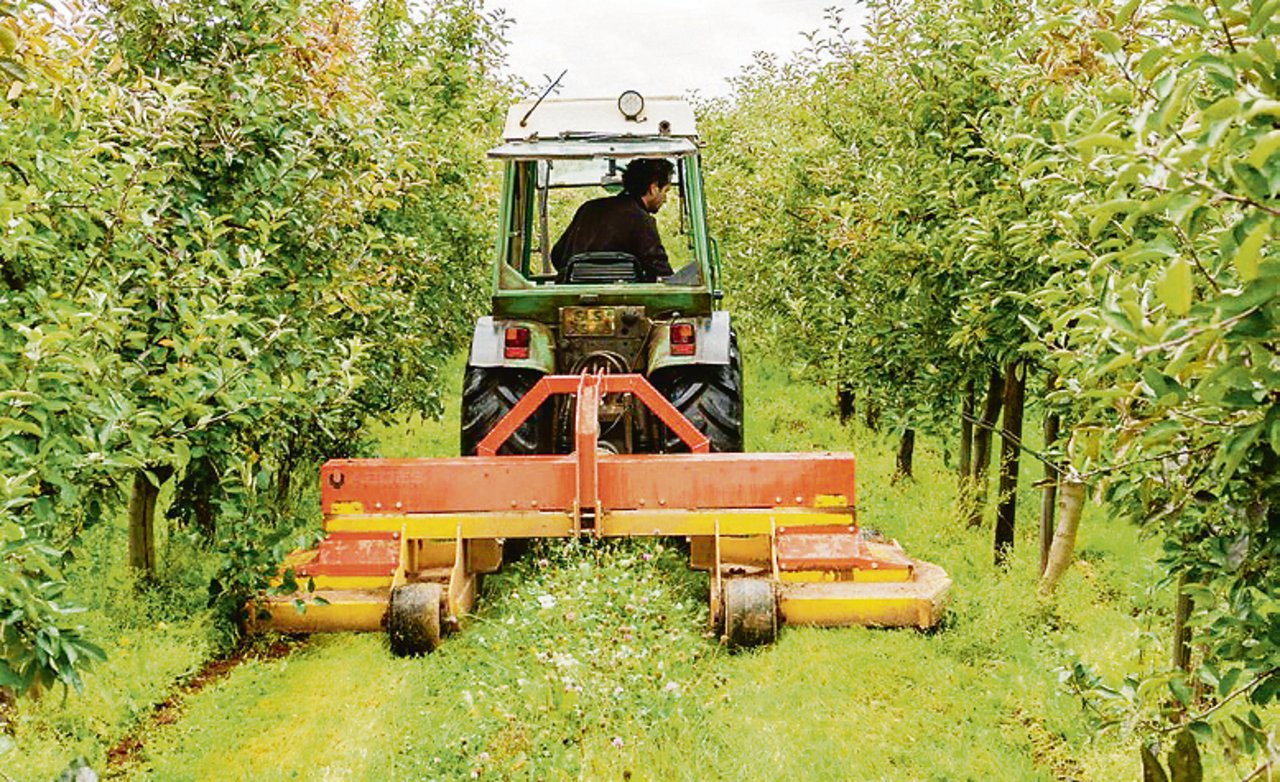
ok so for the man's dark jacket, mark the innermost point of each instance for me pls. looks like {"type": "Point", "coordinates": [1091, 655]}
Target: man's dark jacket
{"type": "Point", "coordinates": [617, 223]}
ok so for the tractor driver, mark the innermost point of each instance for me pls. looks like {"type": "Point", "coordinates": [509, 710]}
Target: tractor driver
{"type": "Point", "coordinates": [623, 222]}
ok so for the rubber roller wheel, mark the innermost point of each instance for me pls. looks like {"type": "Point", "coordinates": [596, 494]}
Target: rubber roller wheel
{"type": "Point", "coordinates": [413, 619]}
{"type": "Point", "coordinates": [750, 613]}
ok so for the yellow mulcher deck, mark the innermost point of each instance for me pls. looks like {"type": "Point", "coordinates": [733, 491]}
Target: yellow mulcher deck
{"type": "Point", "coordinates": [777, 533]}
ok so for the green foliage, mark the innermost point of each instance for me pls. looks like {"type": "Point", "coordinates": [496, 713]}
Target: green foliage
{"type": "Point", "coordinates": [901, 255]}
{"type": "Point", "coordinates": [1090, 186]}
{"type": "Point", "coordinates": [1168, 304]}
{"type": "Point", "coordinates": [39, 642]}
{"type": "Point", "coordinates": [230, 234]}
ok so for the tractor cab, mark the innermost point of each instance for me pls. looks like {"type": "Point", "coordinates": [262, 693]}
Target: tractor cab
{"type": "Point", "coordinates": [559, 154]}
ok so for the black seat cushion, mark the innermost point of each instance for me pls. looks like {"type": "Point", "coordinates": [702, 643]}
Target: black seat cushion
{"type": "Point", "coordinates": [598, 268]}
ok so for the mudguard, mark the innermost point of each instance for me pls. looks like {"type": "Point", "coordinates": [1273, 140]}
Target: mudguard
{"type": "Point", "coordinates": [711, 344]}
{"type": "Point", "coordinates": [487, 345]}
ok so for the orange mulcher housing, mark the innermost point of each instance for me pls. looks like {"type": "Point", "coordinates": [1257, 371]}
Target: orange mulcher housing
{"type": "Point", "coordinates": [777, 532]}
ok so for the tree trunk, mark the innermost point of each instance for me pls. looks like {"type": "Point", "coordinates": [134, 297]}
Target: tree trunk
{"type": "Point", "coordinates": [844, 402]}
{"type": "Point", "coordinates": [1011, 440]}
{"type": "Point", "coordinates": [906, 449]}
{"type": "Point", "coordinates": [142, 519]}
{"type": "Point", "coordinates": [871, 415]}
{"type": "Point", "coordinates": [1181, 651]}
{"type": "Point", "coordinates": [194, 504]}
{"type": "Point", "coordinates": [1048, 501]}
{"type": "Point", "coordinates": [284, 484]}
{"type": "Point", "coordinates": [7, 699]}
{"type": "Point", "coordinates": [982, 446]}
{"type": "Point", "coordinates": [1070, 504]}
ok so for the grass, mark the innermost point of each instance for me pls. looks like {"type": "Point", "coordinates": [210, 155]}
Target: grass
{"type": "Point", "coordinates": [590, 661]}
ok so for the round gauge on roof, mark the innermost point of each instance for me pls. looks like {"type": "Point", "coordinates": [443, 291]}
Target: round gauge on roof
{"type": "Point", "coordinates": [631, 103]}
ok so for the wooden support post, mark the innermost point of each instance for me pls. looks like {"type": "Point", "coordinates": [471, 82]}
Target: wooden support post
{"type": "Point", "coordinates": [1048, 500]}
{"type": "Point", "coordinates": [1061, 554]}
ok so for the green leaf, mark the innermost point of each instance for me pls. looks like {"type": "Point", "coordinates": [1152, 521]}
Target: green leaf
{"type": "Point", "coordinates": [9, 677]}
{"type": "Point", "coordinates": [1263, 13]}
{"type": "Point", "coordinates": [1168, 109]}
{"type": "Point", "coordinates": [1161, 384]}
{"type": "Point", "coordinates": [26, 427]}
{"type": "Point", "coordinates": [1201, 729]}
{"type": "Point", "coordinates": [92, 651]}
{"type": "Point", "coordinates": [1246, 257]}
{"type": "Point", "coordinates": [1152, 771]}
{"type": "Point", "coordinates": [1264, 148]}
{"type": "Point", "coordinates": [1238, 447]}
{"type": "Point", "coordinates": [1108, 140]}
{"type": "Point", "coordinates": [1255, 293]}
{"type": "Point", "coordinates": [8, 41]}
{"type": "Point", "coordinates": [181, 453]}
{"type": "Point", "coordinates": [1228, 681]}
{"type": "Point", "coordinates": [13, 69]}
{"type": "Point", "coordinates": [1151, 63]}
{"type": "Point", "coordinates": [1185, 14]}
{"type": "Point", "coordinates": [1110, 42]}
{"type": "Point", "coordinates": [1254, 184]}
{"type": "Point", "coordinates": [1126, 12]}
{"type": "Point", "coordinates": [1267, 691]}
{"type": "Point", "coordinates": [1221, 109]}
{"type": "Point", "coordinates": [1174, 287]}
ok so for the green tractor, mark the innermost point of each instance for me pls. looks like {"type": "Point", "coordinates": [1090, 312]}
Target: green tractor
{"type": "Point", "coordinates": [599, 312]}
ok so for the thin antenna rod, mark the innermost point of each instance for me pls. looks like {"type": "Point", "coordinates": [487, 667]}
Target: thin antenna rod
{"type": "Point", "coordinates": [525, 119]}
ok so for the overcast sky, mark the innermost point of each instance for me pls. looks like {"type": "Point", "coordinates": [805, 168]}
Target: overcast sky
{"type": "Point", "coordinates": [659, 47]}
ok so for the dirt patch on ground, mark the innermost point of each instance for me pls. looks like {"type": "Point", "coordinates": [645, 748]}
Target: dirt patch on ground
{"type": "Point", "coordinates": [1049, 750]}
{"type": "Point", "coordinates": [128, 749]}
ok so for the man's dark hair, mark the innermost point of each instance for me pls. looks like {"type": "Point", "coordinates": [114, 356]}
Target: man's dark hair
{"type": "Point", "coordinates": [644, 171]}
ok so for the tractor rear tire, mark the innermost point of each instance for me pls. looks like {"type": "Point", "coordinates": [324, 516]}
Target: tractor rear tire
{"type": "Point", "coordinates": [413, 619]}
{"type": "Point", "coordinates": [750, 613]}
{"type": "Point", "coordinates": [488, 394]}
{"type": "Point", "coordinates": [710, 396]}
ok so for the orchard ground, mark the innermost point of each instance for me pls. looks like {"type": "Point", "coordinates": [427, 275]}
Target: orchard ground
{"type": "Point", "coordinates": [591, 660]}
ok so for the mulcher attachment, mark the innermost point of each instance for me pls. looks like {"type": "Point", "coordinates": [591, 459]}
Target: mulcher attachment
{"type": "Point", "coordinates": [407, 538]}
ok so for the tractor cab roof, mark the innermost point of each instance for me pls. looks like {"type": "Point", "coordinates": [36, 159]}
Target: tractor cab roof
{"type": "Point", "coordinates": [626, 127]}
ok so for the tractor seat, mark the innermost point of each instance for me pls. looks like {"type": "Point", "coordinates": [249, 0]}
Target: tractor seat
{"type": "Point", "coordinates": [599, 268]}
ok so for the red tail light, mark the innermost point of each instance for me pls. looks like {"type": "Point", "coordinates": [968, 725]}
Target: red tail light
{"type": "Point", "coordinates": [683, 339]}
{"type": "Point", "coordinates": [516, 343]}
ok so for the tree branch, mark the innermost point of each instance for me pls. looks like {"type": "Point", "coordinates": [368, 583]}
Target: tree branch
{"type": "Point", "coordinates": [9, 164]}
{"type": "Point", "coordinates": [1142, 353]}
{"type": "Point", "coordinates": [1257, 772]}
{"type": "Point", "coordinates": [1156, 458]}
{"type": "Point", "coordinates": [1222, 20]}
{"type": "Point", "coordinates": [1254, 682]}
{"type": "Point", "coordinates": [1191, 250]}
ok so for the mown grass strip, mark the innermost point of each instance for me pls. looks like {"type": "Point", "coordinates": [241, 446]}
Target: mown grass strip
{"type": "Point", "coordinates": [590, 660]}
